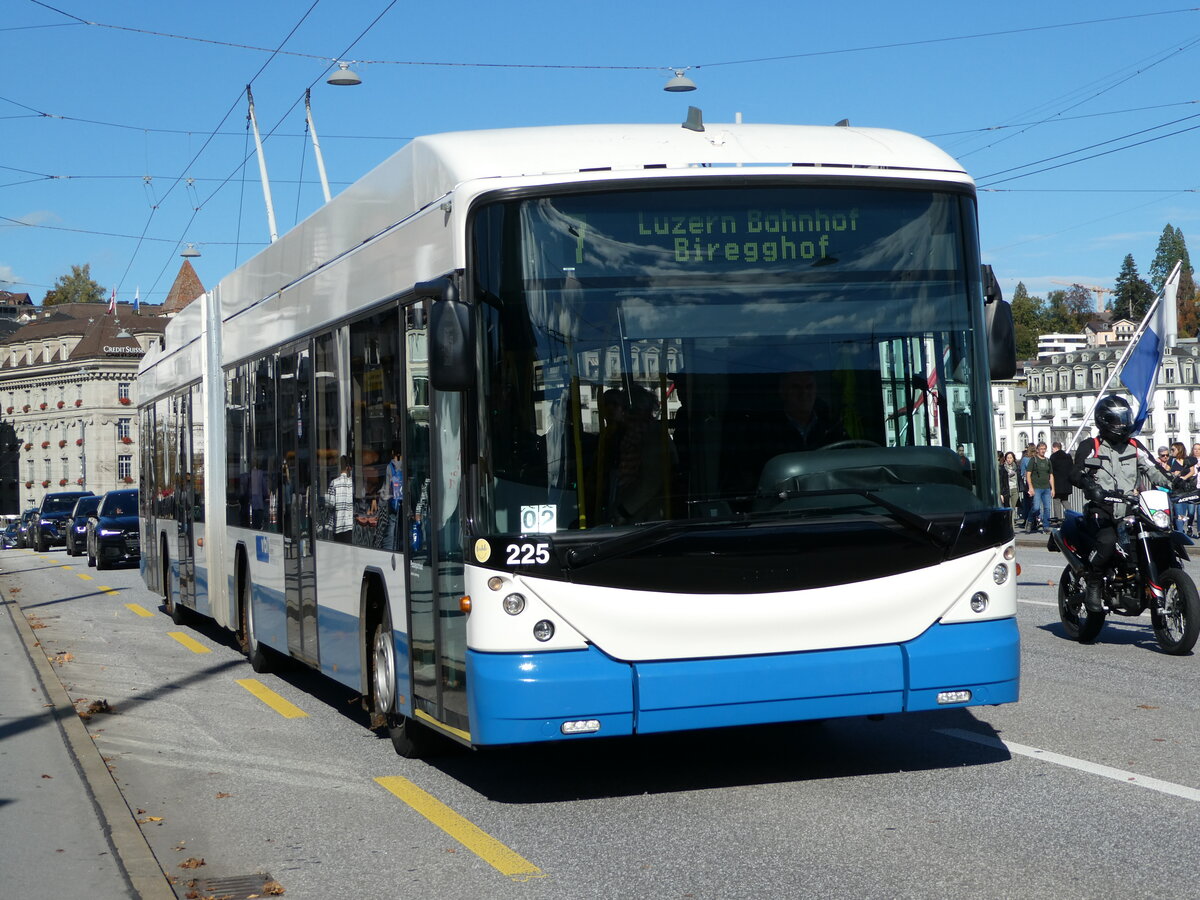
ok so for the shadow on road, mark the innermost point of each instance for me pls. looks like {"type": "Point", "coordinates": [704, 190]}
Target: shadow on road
{"type": "Point", "coordinates": [722, 758]}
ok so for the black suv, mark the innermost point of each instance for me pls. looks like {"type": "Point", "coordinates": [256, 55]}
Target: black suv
{"type": "Point", "coordinates": [49, 528]}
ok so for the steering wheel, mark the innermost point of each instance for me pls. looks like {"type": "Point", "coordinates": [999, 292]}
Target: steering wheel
{"type": "Point", "coordinates": [849, 444]}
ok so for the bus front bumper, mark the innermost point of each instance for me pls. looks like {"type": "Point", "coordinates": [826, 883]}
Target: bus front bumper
{"type": "Point", "coordinates": [526, 697]}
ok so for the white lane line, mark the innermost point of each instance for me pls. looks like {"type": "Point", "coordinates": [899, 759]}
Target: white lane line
{"type": "Point", "coordinates": [1082, 765]}
{"type": "Point", "coordinates": [1037, 602]}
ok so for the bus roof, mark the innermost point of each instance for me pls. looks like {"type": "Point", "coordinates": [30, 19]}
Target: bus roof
{"type": "Point", "coordinates": [455, 157]}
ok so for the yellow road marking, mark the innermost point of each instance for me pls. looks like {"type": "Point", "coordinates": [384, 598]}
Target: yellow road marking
{"type": "Point", "coordinates": [284, 707]}
{"type": "Point", "coordinates": [139, 610]}
{"type": "Point", "coordinates": [491, 851]}
{"type": "Point", "coordinates": [104, 589]}
{"type": "Point", "coordinates": [84, 576]}
{"type": "Point", "coordinates": [192, 644]}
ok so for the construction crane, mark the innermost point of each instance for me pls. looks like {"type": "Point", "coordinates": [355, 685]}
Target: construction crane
{"type": "Point", "coordinates": [1095, 289]}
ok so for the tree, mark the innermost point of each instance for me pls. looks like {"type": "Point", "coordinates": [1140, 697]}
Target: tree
{"type": "Point", "coordinates": [1027, 319]}
{"type": "Point", "coordinates": [1172, 248]}
{"type": "Point", "coordinates": [78, 287]}
{"type": "Point", "coordinates": [1132, 295]}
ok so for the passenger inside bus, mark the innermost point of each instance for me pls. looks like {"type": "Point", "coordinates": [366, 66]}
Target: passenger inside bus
{"type": "Point", "coordinates": [634, 457]}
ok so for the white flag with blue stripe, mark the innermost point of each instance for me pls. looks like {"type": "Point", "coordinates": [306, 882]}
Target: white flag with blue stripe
{"type": "Point", "coordinates": [1158, 331]}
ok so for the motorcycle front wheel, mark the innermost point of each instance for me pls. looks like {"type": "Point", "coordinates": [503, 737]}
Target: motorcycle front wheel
{"type": "Point", "coordinates": [1079, 624]}
{"type": "Point", "coordinates": [1177, 624]}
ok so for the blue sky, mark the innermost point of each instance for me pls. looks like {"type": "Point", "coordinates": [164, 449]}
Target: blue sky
{"type": "Point", "coordinates": [122, 143]}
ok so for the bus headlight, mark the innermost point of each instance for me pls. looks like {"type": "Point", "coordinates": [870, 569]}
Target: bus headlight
{"type": "Point", "coordinates": [979, 602]}
{"type": "Point", "coordinates": [1000, 574]}
{"type": "Point", "coordinates": [514, 604]}
{"type": "Point", "coordinates": [543, 630]}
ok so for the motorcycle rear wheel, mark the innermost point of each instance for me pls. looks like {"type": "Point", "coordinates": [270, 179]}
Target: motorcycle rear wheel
{"type": "Point", "coordinates": [1177, 624]}
{"type": "Point", "coordinates": [1079, 624]}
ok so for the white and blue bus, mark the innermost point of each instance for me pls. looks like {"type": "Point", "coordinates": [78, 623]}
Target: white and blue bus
{"type": "Point", "coordinates": [548, 433]}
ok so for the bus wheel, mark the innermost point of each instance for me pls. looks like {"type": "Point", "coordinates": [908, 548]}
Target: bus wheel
{"type": "Point", "coordinates": [258, 655]}
{"type": "Point", "coordinates": [410, 739]}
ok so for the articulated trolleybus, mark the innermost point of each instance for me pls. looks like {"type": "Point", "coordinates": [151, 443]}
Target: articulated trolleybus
{"type": "Point", "coordinates": [552, 433]}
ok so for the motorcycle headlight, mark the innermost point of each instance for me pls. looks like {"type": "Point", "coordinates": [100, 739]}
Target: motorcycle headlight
{"type": "Point", "coordinates": [1161, 518]}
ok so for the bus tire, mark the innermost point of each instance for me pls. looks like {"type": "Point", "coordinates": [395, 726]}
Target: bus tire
{"type": "Point", "coordinates": [258, 655]}
{"type": "Point", "coordinates": [410, 738]}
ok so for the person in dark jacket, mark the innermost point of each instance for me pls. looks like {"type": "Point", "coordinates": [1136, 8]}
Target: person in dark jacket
{"type": "Point", "coordinates": [1061, 465]}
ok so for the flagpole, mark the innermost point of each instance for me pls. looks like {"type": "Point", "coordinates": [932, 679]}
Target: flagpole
{"type": "Point", "coordinates": [1129, 348]}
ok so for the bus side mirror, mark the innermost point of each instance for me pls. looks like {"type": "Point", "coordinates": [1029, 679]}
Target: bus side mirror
{"type": "Point", "coordinates": [451, 337]}
{"type": "Point", "coordinates": [1001, 330]}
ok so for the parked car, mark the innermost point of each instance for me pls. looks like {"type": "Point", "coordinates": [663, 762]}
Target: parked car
{"type": "Point", "coordinates": [113, 535]}
{"type": "Point", "coordinates": [49, 527]}
{"type": "Point", "coordinates": [77, 525]}
{"type": "Point", "coordinates": [9, 538]}
{"type": "Point", "coordinates": [27, 518]}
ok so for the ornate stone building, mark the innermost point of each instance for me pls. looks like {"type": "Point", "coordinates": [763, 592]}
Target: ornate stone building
{"type": "Point", "coordinates": [68, 403]}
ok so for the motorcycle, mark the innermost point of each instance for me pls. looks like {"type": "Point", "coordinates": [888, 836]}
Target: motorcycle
{"type": "Point", "coordinates": [1145, 574]}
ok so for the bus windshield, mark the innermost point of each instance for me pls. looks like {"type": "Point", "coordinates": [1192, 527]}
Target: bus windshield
{"type": "Point", "coordinates": [721, 353]}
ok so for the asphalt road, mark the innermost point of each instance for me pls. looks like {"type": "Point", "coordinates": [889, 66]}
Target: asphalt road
{"type": "Point", "coordinates": [1089, 787]}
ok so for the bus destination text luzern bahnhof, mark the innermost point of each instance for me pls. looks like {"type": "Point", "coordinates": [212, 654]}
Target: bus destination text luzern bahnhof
{"type": "Point", "coordinates": [762, 235]}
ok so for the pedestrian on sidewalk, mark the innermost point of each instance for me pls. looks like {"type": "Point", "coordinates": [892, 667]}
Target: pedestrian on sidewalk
{"type": "Point", "coordinates": [1039, 480]}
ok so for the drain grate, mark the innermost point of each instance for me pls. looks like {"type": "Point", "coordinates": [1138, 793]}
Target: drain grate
{"type": "Point", "coordinates": [234, 887]}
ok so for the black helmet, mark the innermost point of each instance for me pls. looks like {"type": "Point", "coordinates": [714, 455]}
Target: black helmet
{"type": "Point", "coordinates": [1114, 418]}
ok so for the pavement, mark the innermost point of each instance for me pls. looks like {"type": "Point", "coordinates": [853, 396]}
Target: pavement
{"type": "Point", "coordinates": [65, 829]}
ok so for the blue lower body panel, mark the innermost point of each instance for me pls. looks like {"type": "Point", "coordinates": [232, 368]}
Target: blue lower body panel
{"type": "Point", "coordinates": [522, 697]}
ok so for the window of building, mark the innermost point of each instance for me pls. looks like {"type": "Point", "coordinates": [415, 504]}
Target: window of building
{"type": "Point", "coordinates": [1169, 374]}
{"type": "Point", "coordinates": [124, 467]}
{"type": "Point", "coordinates": [123, 429]}
{"type": "Point", "coordinates": [123, 390]}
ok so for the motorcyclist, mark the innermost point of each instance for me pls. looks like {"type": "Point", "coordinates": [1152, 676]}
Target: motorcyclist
{"type": "Point", "coordinates": [1109, 466]}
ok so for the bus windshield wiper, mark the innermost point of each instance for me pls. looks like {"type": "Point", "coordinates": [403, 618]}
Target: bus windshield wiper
{"type": "Point", "coordinates": [640, 538]}
{"type": "Point", "coordinates": [941, 535]}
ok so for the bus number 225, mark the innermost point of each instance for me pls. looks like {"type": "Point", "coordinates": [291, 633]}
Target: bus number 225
{"type": "Point", "coordinates": [528, 554]}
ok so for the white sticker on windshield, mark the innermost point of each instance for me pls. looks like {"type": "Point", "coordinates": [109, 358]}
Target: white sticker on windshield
{"type": "Point", "coordinates": [539, 519]}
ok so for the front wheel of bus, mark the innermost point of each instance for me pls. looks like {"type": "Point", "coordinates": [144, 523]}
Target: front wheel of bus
{"type": "Point", "coordinates": [410, 739]}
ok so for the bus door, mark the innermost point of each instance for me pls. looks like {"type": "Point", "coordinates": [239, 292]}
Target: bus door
{"type": "Point", "coordinates": [437, 625]}
{"type": "Point", "coordinates": [295, 445]}
{"type": "Point", "coordinates": [185, 500]}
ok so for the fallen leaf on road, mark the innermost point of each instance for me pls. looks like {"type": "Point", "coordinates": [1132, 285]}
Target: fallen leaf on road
{"type": "Point", "coordinates": [273, 889]}
{"type": "Point", "coordinates": [222, 795]}
{"type": "Point", "coordinates": [192, 862]}
{"type": "Point", "coordinates": [1146, 706]}
{"type": "Point", "coordinates": [47, 776]}
{"type": "Point", "coordinates": [149, 819]}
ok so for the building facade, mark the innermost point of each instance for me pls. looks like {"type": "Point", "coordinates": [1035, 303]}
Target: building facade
{"type": "Point", "coordinates": [68, 411]}
{"type": "Point", "coordinates": [1058, 392]}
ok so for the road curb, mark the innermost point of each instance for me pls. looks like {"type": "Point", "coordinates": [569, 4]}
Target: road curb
{"type": "Point", "coordinates": [141, 867]}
